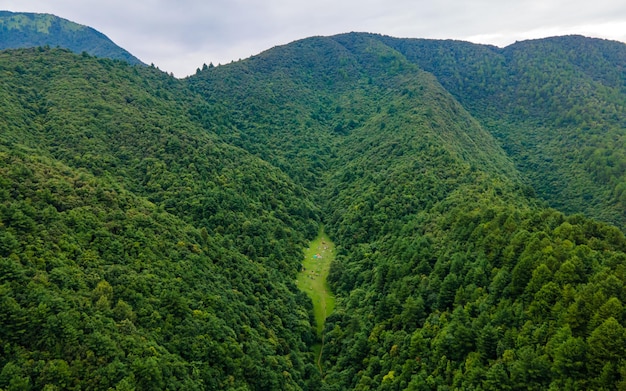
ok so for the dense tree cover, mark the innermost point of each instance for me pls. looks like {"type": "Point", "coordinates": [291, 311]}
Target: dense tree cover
{"type": "Point", "coordinates": [100, 288]}
{"type": "Point", "coordinates": [294, 105]}
{"type": "Point", "coordinates": [25, 30]}
{"type": "Point", "coordinates": [286, 107]}
{"type": "Point", "coordinates": [131, 123]}
{"type": "Point", "coordinates": [448, 275]}
{"type": "Point", "coordinates": [470, 289]}
{"type": "Point", "coordinates": [152, 228]}
{"type": "Point", "coordinates": [557, 105]}
{"type": "Point", "coordinates": [138, 250]}
{"type": "Point", "coordinates": [501, 300]}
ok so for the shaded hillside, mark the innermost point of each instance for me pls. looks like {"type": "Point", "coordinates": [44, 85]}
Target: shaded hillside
{"type": "Point", "coordinates": [25, 30]}
{"type": "Point", "coordinates": [557, 105]}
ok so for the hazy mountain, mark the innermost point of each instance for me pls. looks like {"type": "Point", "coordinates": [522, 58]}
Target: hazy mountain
{"type": "Point", "coordinates": [25, 30]}
{"type": "Point", "coordinates": [151, 228]}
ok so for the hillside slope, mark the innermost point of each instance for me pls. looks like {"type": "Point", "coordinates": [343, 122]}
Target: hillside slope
{"type": "Point", "coordinates": [557, 105]}
{"type": "Point", "coordinates": [448, 274]}
{"type": "Point", "coordinates": [138, 249]}
{"type": "Point", "coordinates": [298, 106]}
{"type": "Point", "coordinates": [26, 30]}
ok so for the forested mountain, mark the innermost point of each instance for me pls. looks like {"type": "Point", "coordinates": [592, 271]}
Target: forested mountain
{"type": "Point", "coordinates": [152, 228]}
{"type": "Point", "coordinates": [139, 250]}
{"type": "Point", "coordinates": [557, 105]}
{"type": "Point", "coordinates": [25, 30]}
{"type": "Point", "coordinates": [448, 275]}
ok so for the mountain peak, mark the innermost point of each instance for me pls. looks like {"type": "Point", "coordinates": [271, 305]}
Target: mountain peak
{"type": "Point", "coordinates": [25, 29]}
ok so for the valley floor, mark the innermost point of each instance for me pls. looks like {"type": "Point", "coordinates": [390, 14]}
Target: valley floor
{"type": "Point", "coordinates": [312, 277]}
{"type": "Point", "coordinates": [312, 281]}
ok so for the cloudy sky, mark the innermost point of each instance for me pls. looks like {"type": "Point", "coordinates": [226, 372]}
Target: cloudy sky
{"type": "Point", "coordinates": [180, 35]}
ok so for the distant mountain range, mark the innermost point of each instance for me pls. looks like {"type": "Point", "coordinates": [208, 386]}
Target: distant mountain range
{"type": "Point", "coordinates": [152, 228]}
{"type": "Point", "coordinates": [23, 30]}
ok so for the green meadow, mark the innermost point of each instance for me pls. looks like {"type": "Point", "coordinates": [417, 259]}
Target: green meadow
{"type": "Point", "coordinates": [312, 277]}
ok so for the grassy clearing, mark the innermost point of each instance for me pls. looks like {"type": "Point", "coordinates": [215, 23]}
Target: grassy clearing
{"type": "Point", "coordinates": [312, 277]}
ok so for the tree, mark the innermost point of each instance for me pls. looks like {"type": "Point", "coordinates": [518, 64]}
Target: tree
{"type": "Point", "coordinates": [606, 342]}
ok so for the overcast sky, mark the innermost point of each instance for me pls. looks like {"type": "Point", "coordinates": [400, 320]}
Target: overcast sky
{"type": "Point", "coordinates": [180, 35]}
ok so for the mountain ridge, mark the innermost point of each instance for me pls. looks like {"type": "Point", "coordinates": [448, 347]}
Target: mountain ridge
{"type": "Point", "coordinates": [25, 29]}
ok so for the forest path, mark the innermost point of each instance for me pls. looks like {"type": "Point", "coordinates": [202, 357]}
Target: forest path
{"type": "Point", "coordinates": [312, 281]}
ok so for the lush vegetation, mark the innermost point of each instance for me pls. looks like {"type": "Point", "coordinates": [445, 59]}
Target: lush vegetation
{"type": "Point", "coordinates": [500, 299]}
{"type": "Point", "coordinates": [414, 188]}
{"type": "Point", "coordinates": [557, 105]}
{"type": "Point", "coordinates": [139, 250]}
{"type": "Point", "coordinates": [152, 229]}
{"type": "Point", "coordinates": [24, 30]}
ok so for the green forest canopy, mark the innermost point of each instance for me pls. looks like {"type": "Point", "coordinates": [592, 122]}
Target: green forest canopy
{"type": "Point", "coordinates": [152, 228]}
